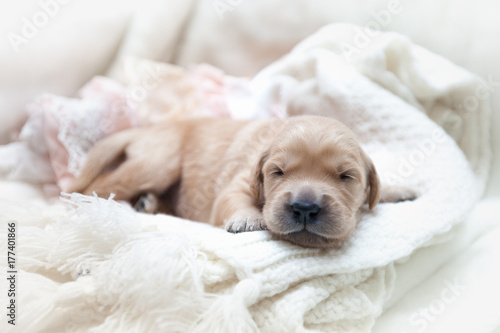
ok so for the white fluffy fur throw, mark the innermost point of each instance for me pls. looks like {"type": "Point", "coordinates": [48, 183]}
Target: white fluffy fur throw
{"type": "Point", "coordinates": [93, 265]}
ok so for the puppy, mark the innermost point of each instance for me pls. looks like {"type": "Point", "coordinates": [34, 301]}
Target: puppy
{"type": "Point", "coordinates": [302, 178]}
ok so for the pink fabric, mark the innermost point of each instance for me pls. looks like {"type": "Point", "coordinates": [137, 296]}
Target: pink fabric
{"type": "Point", "coordinates": [65, 129]}
{"type": "Point", "coordinates": [62, 130]}
{"type": "Point", "coordinates": [211, 87]}
{"type": "Point", "coordinates": [223, 95]}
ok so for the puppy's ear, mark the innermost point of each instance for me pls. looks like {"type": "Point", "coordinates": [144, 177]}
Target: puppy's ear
{"type": "Point", "coordinates": [257, 179]}
{"type": "Point", "coordinates": [373, 186]}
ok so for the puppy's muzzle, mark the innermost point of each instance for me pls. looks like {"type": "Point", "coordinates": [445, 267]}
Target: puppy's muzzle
{"type": "Point", "coordinates": [305, 212]}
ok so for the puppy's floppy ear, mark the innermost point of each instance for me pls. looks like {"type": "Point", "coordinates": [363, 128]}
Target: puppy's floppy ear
{"type": "Point", "coordinates": [373, 186]}
{"type": "Point", "coordinates": [257, 179]}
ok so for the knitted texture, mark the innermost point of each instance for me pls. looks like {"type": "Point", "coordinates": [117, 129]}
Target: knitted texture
{"type": "Point", "coordinates": [95, 265]}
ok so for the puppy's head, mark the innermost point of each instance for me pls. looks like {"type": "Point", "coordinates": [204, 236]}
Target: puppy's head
{"type": "Point", "coordinates": [312, 182]}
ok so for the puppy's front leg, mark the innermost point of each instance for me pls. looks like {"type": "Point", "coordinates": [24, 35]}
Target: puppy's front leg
{"type": "Point", "coordinates": [395, 193]}
{"type": "Point", "coordinates": [236, 208]}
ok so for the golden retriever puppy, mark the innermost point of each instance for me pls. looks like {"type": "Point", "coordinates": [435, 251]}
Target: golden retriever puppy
{"type": "Point", "coordinates": [303, 178]}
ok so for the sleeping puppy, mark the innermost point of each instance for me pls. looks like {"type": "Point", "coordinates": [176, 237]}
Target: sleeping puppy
{"type": "Point", "coordinates": [302, 178]}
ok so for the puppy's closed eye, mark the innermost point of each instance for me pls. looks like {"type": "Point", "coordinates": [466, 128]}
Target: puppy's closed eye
{"type": "Point", "coordinates": [349, 175]}
{"type": "Point", "coordinates": [345, 176]}
{"type": "Point", "coordinates": [277, 172]}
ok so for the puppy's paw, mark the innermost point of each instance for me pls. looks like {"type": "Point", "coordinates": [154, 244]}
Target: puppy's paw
{"type": "Point", "coordinates": [397, 194]}
{"type": "Point", "coordinates": [147, 203]}
{"type": "Point", "coordinates": [245, 223]}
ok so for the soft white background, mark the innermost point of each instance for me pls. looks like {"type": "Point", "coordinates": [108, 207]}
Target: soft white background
{"type": "Point", "coordinates": [86, 37]}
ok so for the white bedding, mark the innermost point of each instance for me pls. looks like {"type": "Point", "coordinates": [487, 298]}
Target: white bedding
{"type": "Point", "coordinates": [247, 282]}
{"type": "Point", "coordinates": [451, 287]}
{"type": "Point", "coordinates": [422, 278]}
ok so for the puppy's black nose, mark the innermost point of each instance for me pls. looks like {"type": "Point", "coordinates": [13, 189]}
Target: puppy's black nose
{"type": "Point", "coordinates": [304, 211]}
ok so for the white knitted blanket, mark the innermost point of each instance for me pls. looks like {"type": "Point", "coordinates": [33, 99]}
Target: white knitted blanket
{"type": "Point", "coordinates": [97, 266]}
